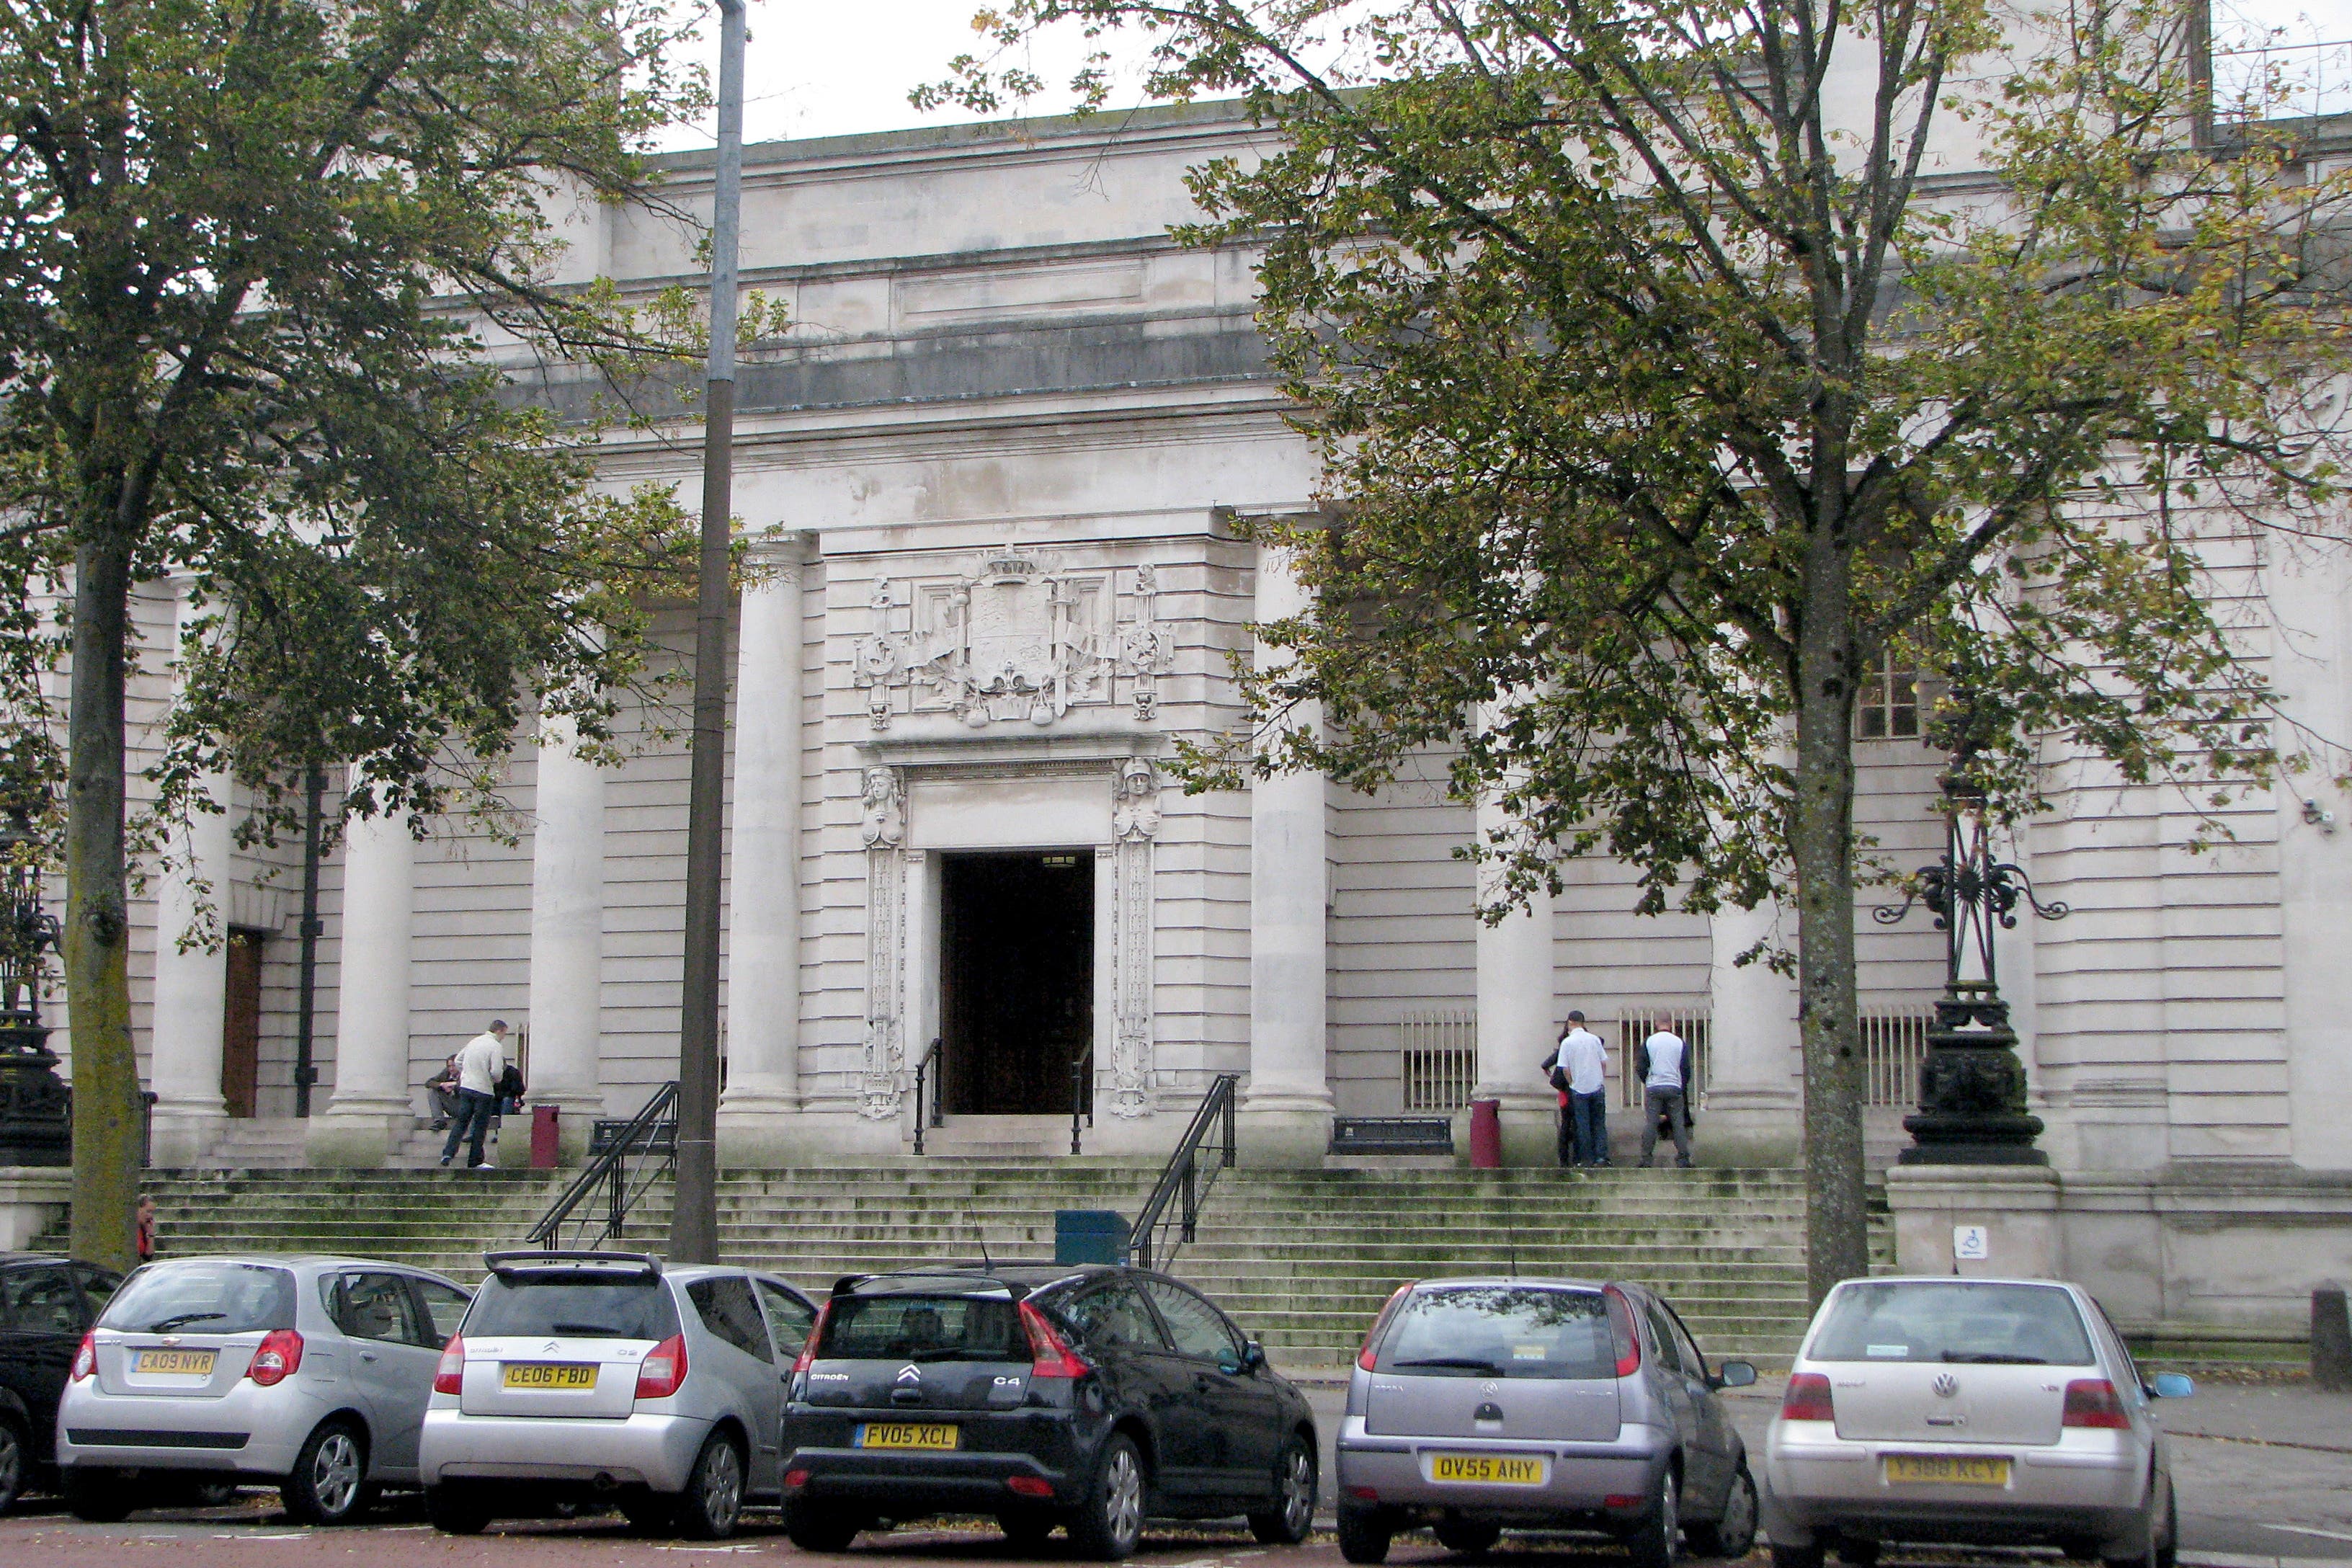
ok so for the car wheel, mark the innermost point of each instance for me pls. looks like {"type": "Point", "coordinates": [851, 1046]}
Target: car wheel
{"type": "Point", "coordinates": [714, 1492]}
{"type": "Point", "coordinates": [1467, 1536]}
{"type": "Point", "coordinates": [16, 1459]}
{"type": "Point", "coordinates": [1364, 1535]}
{"type": "Point", "coordinates": [1796, 1556]}
{"type": "Point", "coordinates": [1287, 1522]}
{"type": "Point", "coordinates": [1109, 1519]}
{"type": "Point", "coordinates": [99, 1497]}
{"type": "Point", "coordinates": [1025, 1529]}
{"type": "Point", "coordinates": [813, 1527]}
{"type": "Point", "coordinates": [329, 1485]}
{"type": "Point", "coordinates": [1657, 1539]}
{"type": "Point", "coordinates": [1733, 1534]}
{"type": "Point", "coordinates": [457, 1510]}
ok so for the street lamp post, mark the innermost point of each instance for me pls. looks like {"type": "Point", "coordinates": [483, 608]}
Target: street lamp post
{"type": "Point", "coordinates": [36, 1110]}
{"type": "Point", "coordinates": [1972, 1107]}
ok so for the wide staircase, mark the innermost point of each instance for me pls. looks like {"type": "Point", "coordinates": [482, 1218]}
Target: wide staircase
{"type": "Point", "coordinates": [1303, 1259]}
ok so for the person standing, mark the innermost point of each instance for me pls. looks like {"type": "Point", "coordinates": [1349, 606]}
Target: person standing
{"type": "Point", "coordinates": [1665, 1096]}
{"type": "Point", "coordinates": [143, 1224]}
{"type": "Point", "coordinates": [480, 1064]}
{"type": "Point", "coordinates": [1586, 1063]}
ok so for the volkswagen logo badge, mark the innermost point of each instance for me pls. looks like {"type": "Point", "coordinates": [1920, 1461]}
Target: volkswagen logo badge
{"type": "Point", "coordinates": [1490, 1388]}
{"type": "Point", "coordinates": [910, 1372]}
{"type": "Point", "coordinates": [1945, 1386]}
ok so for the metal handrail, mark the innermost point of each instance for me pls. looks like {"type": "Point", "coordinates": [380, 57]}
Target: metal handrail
{"type": "Point", "coordinates": [1182, 1178]}
{"type": "Point", "coordinates": [922, 1071]}
{"type": "Point", "coordinates": [1082, 1104]}
{"type": "Point", "coordinates": [624, 1184]}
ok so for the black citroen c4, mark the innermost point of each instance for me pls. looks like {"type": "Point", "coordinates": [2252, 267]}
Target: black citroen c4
{"type": "Point", "coordinates": [1088, 1398]}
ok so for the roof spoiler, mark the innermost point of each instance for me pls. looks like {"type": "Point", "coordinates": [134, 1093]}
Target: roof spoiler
{"type": "Point", "coordinates": [1013, 1287]}
{"type": "Point", "coordinates": [544, 1261]}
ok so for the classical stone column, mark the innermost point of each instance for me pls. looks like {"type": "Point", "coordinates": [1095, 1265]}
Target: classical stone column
{"type": "Point", "coordinates": [1755, 1109]}
{"type": "Point", "coordinates": [183, 1064]}
{"type": "Point", "coordinates": [374, 1108]}
{"type": "Point", "coordinates": [757, 1113]}
{"type": "Point", "coordinates": [1286, 1111]}
{"type": "Point", "coordinates": [1517, 1023]}
{"type": "Point", "coordinates": [567, 940]}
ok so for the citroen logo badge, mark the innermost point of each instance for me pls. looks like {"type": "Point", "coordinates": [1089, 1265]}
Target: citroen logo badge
{"type": "Point", "coordinates": [1945, 1386]}
{"type": "Point", "coordinates": [910, 1372]}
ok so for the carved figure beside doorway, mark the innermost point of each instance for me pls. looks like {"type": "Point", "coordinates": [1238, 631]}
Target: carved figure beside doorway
{"type": "Point", "coordinates": [1135, 824]}
{"type": "Point", "coordinates": [882, 823]}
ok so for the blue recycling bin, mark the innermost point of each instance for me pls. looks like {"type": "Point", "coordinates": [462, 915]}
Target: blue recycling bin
{"type": "Point", "coordinates": [1089, 1236]}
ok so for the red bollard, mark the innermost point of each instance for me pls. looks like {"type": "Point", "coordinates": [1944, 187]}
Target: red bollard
{"type": "Point", "coordinates": [1487, 1134]}
{"type": "Point", "coordinates": [546, 1147]}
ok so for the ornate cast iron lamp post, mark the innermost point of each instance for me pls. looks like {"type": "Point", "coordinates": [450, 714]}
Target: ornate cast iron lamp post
{"type": "Point", "coordinates": [1971, 1085]}
{"type": "Point", "coordinates": [35, 1115]}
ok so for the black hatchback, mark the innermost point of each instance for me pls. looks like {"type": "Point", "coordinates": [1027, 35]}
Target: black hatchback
{"type": "Point", "coordinates": [47, 1304]}
{"type": "Point", "coordinates": [1088, 1398]}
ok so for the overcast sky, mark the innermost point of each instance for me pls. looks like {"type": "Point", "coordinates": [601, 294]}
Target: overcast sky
{"type": "Point", "coordinates": [845, 66]}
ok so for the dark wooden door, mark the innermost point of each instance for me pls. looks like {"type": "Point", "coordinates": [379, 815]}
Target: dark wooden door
{"type": "Point", "coordinates": [1016, 979]}
{"type": "Point", "coordinates": [241, 1024]}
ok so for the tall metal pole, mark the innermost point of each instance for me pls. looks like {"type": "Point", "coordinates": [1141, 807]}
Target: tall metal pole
{"type": "Point", "coordinates": [306, 1006]}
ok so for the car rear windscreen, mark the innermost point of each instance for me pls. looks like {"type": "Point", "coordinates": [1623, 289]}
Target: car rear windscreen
{"type": "Point", "coordinates": [1500, 1330]}
{"type": "Point", "coordinates": [1956, 1321]}
{"type": "Point", "coordinates": [204, 1296]}
{"type": "Point", "coordinates": [923, 1327]}
{"type": "Point", "coordinates": [588, 1309]}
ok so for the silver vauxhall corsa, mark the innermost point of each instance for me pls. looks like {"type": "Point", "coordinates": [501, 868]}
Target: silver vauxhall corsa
{"type": "Point", "coordinates": [605, 1377]}
{"type": "Point", "coordinates": [1479, 1405]}
{"type": "Point", "coordinates": [1995, 1412]}
{"type": "Point", "coordinates": [311, 1373]}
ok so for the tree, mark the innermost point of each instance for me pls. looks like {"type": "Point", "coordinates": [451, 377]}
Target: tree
{"type": "Point", "coordinates": [266, 267]}
{"type": "Point", "coordinates": [1672, 370]}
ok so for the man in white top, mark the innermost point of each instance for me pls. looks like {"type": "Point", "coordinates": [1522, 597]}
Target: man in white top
{"type": "Point", "coordinates": [479, 1063]}
{"type": "Point", "coordinates": [1664, 1060]}
{"type": "Point", "coordinates": [1579, 1069]}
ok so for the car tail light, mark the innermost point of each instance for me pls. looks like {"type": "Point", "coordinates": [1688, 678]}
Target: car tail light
{"type": "Point", "coordinates": [662, 1370]}
{"type": "Point", "coordinates": [1623, 1501]}
{"type": "Point", "coordinates": [1364, 1494]}
{"type": "Point", "coordinates": [449, 1377]}
{"type": "Point", "coordinates": [277, 1357]}
{"type": "Point", "coordinates": [1622, 1332]}
{"type": "Point", "coordinates": [1053, 1358]}
{"type": "Point", "coordinates": [795, 1479]}
{"type": "Point", "coordinates": [1365, 1357]}
{"type": "Point", "coordinates": [2093, 1402]}
{"type": "Point", "coordinates": [1807, 1398]}
{"type": "Point", "coordinates": [1029, 1486]}
{"type": "Point", "coordinates": [816, 1332]}
{"type": "Point", "coordinates": [85, 1360]}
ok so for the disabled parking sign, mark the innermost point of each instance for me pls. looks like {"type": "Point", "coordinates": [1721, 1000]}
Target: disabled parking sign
{"type": "Point", "coordinates": [1971, 1242]}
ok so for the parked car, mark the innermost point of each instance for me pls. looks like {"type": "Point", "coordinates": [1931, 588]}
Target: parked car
{"type": "Point", "coordinates": [1980, 1410]}
{"type": "Point", "coordinates": [309, 1373]}
{"type": "Point", "coordinates": [1481, 1406]}
{"type": "Point", "coordinates": [1088, 1398]}
{"type": "Point", "coordinates": [47, 1304]}
{"type": "Point", "coordinates": [605, 1377]}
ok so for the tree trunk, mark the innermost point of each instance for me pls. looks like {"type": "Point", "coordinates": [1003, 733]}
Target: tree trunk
{"type": "Point", "coordinates": [97, 937]}
{"type": "Point", "coordinates": [1837, 1241]}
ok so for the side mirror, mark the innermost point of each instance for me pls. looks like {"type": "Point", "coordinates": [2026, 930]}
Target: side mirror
{"type": "Point", "coordinates": [2171, 1385]}
{"type": "Point", "coordinates": [1735, 1375]}
{"type": "Point", "coordinates": [1253, 1356]}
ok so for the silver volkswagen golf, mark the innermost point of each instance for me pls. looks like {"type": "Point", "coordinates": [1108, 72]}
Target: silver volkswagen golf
{"type": "Point", "coordinates": [1479, 1405]}
{"type": "Point", "coordinates": [605, 1377]}
{"type": "Point", "coordinates": [311, 1373]}
{"type": "Point", "coordinates": [1991, 1412]}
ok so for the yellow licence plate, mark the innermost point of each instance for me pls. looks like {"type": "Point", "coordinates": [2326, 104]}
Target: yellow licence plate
{"type": "Point", "coordinates": [1945, 1471]}
{"type": "Point", "coordinates": [908, 1434]}
{"type": "Point", "coordinates": [175, 1363]}
{"type": "Point", "coordinates": [1491, 1469]}
{"type": "Point", "coordinates": [550, 1374]}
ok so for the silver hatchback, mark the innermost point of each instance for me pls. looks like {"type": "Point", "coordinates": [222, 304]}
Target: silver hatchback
{"type": "Point", "coordinates": [311, 1373]}
{"type": "Point", "coordinates": [1986, 1412]}
{"type": "Point", "coordinates": [603, 1377]}
{"type": "Point", "coordinates": [1479, 1405]}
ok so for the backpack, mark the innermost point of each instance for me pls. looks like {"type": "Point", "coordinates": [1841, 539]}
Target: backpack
{"type": "Point", "coordinates": [1559, 1072]}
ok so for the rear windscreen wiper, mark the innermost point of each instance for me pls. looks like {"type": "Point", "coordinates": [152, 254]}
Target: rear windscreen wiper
{"type": "Point", "coordinates": [950, 1353]}
{"type": "Point", "coordinates": [1466, 1362]}
{"type": "Point", "coordinates": [182, 1319]}
{"type": "Point", "coordinates": [591, 1331]}
{"type": "Point", "coordinates": [1992, 1358]}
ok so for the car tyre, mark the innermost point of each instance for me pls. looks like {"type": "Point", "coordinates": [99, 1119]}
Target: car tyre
{"type": "Point", "coordinates": [1109, 1519]}
{"type": "Point", "coordinates": [1733, 1534]}
{"type": "Point", "coordinates": [1293, 1513]}
{"type": "Point", "coordinates": [1657, 1539]}
{"type": "Point", "coordinates": [1026, 1528]}
{"type": "Point", "coordinates": [329, 1484]}
{"type": "Point", "coordinates": [457, 1510]}
{"type": "Point", "coordinates": [1364, 1535]}
{"type": "Point", "coordinates": [1466, 1536]}
{"type": "Point", "coordinates": [15, 1460]}
{"type": "Point", "coordinates": [713, 1500]}
{"type": "Point", "coordinates": [813, 1527]}
{"type": "Point", "coordinates": [97, 1496]}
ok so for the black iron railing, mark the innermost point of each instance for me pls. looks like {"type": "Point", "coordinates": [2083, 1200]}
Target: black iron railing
{"type": "Point", "coordinates": [634, 1158]}
{"type": "Point", "coordinates": [1082, 1100]}
{"type": "Point", "coordinates": [1185, 1185]}
{"type": "Point", "coordinates": [926, 1072]}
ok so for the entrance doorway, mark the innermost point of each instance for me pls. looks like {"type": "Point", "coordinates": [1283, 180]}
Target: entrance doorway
{"type": "Point", "coordinates": [1016, 981]}
{"type": "Point", "coordinates": [241, 1024]}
